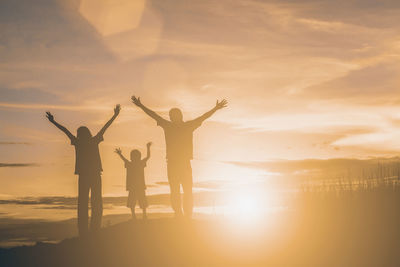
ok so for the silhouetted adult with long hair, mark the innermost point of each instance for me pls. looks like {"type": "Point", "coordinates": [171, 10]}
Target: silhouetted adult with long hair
{"type": "Point", "coordinates": [88, 167]}
{"type": "Point", "coordinates": [179, 142]}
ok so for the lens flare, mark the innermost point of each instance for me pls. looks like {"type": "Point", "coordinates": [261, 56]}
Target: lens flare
{"type": "Point", "coordinates": [245, 207]}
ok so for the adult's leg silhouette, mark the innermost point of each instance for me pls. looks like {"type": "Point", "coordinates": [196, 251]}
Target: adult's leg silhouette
{"type": "Point", "coordinates": [96, 203]}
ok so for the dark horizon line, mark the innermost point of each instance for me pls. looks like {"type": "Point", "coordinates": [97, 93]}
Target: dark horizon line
{"type": "Point", "coordinates": [15, 165]}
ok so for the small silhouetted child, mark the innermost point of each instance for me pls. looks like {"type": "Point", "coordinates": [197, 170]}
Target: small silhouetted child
{"type": "Point", "coordinates": [135, 183]}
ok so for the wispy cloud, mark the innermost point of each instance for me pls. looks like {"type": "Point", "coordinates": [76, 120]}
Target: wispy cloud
{"type": "Point", "coordinates": [15, 143]}
{"type": "Point", "coordinates": [52, 107]}
{"type": "Point", "coordinates": [335, 168]}
{"type": "Point", "coordinates": [18, 165]}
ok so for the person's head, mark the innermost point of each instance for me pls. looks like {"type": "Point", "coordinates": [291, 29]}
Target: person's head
{"type": "Point", "coordinates": [83, 133]}
{"type": "Point", "coordinates": [175, 115]}
{"type": "Point", "coordinates": [135, 155]}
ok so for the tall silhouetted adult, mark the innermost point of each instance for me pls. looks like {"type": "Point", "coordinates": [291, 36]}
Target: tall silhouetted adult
{"type": "Point", "coordinates": [88, 167]}
{"type": "Point", "coordinates": [179, 142]}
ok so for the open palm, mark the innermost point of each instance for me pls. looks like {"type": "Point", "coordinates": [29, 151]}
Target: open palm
{"type": "Point", "coordinates": [136, 101]}
{"type": "Point", "coordinates": [221, 104]}
{"type": "Point", "coordinates": [49, 116]}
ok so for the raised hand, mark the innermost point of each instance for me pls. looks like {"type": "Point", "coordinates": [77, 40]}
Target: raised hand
{"type": "Point", "coordinates": [110, 121]}
{"type": "Point", "coordinates": [117, 109]}
{"type": "Point", "coordinates": [49, 116]}
{"type": "Point", "coordinates": [118, 151]}
{"type": "Point", "coordinates": [221, 104]}
{"type": "Point", "coordinates": [136, 101]}
{"type": "Point", "coordinates": [149, 144]}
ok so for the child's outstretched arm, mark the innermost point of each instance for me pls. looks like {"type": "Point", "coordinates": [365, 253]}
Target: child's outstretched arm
{"type": "Point", "coordinates": [50, 117]}
{"type": "Point", "coordinates": [119, 152]}
{"type": "Point", "coordinates": [219, 105]}
{"type": "Point", "coordinates": [148, 151]}
{"type": "Point", "coordinates": [151, 113]}
{"type": "Point", "coordinates": [117, 109]}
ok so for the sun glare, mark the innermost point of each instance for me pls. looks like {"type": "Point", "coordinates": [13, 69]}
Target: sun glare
{"type": "Point", "coordinates": [245, 207]}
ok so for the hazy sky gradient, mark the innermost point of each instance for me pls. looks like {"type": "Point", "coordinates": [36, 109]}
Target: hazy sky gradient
{"type": "Point", "coordinates": [304, 79]}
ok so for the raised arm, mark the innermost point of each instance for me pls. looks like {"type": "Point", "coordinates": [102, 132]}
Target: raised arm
{"type": "Point", "coordinates": [148, 151]}
{"type": "Point", "coordinates": [119, 152]}
{"type": "Point", "coordinates": [50, 117]}
{"type": "Point", "coordinates": [218, 105]}
{"type": "Point", "coordinates": [117, 109]}
{"type": "Point", "coordinates": [151, 113]}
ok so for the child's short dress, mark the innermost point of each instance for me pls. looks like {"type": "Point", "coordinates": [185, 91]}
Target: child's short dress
{"type": "Point", "coordinates": [135, 183]}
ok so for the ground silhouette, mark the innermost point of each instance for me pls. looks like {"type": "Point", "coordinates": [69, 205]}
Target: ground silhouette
{"type": "Point", "coordinates": [351, 238]}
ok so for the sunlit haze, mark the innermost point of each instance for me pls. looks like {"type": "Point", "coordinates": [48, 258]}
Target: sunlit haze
{"type": "Point", "coordinates": [303, 81]}
{"type": "Point", "coordinates": [287, 153]}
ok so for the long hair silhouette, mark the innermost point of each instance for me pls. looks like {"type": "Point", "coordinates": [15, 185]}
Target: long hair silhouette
{"type": "Point", "coordinates": [83, 133]}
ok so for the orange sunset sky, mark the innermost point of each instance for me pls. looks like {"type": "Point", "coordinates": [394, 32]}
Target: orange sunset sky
{"type": "Point", "coordinates": [304, 79]}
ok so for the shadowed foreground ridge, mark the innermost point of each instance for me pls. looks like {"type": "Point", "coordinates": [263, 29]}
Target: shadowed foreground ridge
{"type": "Point", "coordinates": [140, 243]}
{"type": "Point", "coordinates": [164, 242]}
{"type": "Point", "coordinates": [345, 225]}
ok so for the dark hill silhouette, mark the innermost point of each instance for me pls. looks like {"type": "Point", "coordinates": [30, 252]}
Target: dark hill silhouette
{"type": "Point", "coordinates": [159, 242]}
{"type": "Point", "coordinates": [168, 242]}
{"type": "Point", "coordinates": [342, 225]}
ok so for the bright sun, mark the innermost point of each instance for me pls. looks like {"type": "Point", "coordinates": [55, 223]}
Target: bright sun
{"type": "Point", "coordinates": [245, 207]}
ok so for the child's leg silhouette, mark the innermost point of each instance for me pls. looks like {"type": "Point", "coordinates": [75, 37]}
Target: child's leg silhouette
{"type": "Point", "coordinates": [132, 203]}
{"type": "Point", "coordinates": [144, 213]}
{"type": "Point", "coordinates": [133, 212]}
{"type": "Point", "coordinates": [143, 203]}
